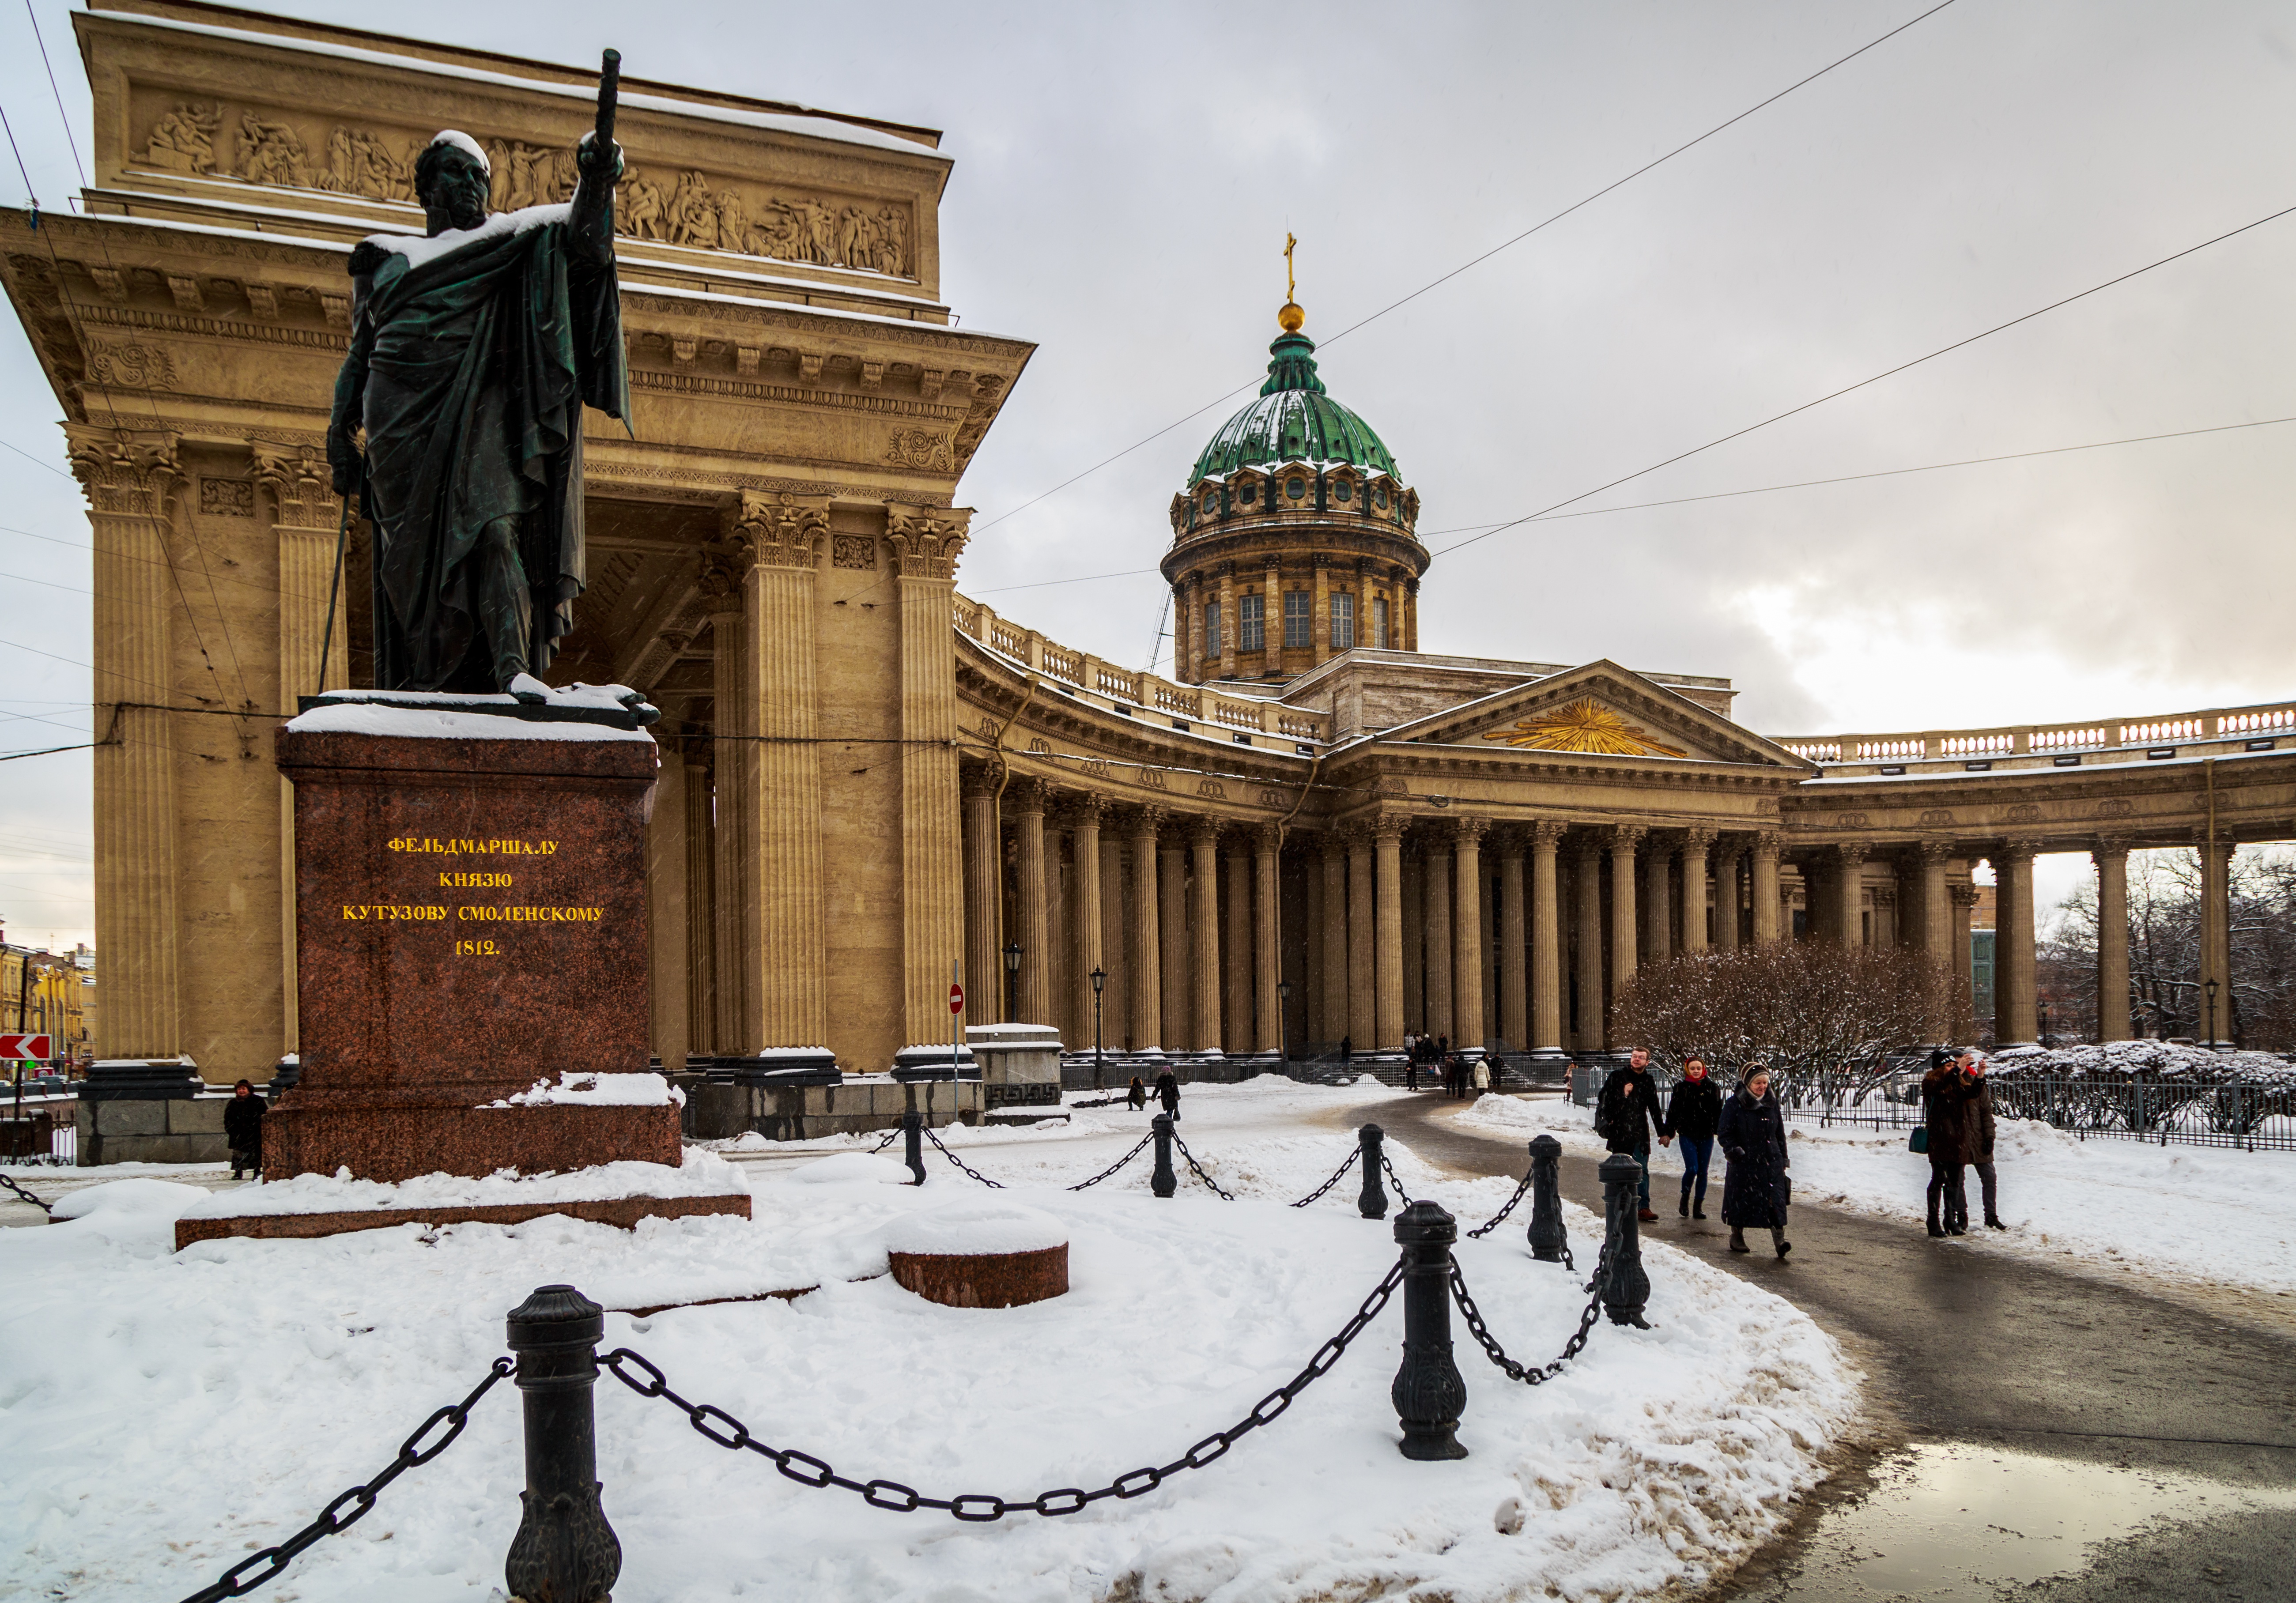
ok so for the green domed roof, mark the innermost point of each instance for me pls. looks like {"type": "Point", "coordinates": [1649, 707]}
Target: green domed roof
{"type": "Point", "coordinates": [1292, 420]}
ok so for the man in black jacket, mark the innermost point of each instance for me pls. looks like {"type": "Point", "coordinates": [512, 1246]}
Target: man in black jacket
{"type": "Point", "coordinates": [243, 1129]}
{"type": "Point", "coordinates": [1628, 1114]}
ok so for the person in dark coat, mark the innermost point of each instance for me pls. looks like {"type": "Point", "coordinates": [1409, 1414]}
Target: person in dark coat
{"type": "Point", "coordinates": [1168, 1092]}
{"type": "Point", "coordinates": [1945, 1103]}
{"type": "Point", "coordinates": [1692, 1113]}
{"type": "Point", "coordinates": [1346, 1050]}
{"type": "Point", "coordinates": [1137, 1097]}
{"type": "Point", "coordinates": [243, 1129]}
{"type": "Point", "coordinates": [1628, 1114]}
{"type": "Point", "coordinates": [1977, 1119]}
{"type": "Point", "coordinates": [1755, 1189]}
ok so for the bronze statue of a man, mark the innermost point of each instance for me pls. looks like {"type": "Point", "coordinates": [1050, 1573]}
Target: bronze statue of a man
{"type": "Point", "coordinates": [473, 352]}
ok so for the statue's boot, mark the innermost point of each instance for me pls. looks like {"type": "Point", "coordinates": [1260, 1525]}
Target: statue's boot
{"type": "Point", "coordinates": [505, 604]}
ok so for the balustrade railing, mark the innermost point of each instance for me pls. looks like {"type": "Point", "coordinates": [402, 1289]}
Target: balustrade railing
{"type": "Point", "coordinates": [1128, 689]}
{"type": "Point", "coordinates": [2272, 719]}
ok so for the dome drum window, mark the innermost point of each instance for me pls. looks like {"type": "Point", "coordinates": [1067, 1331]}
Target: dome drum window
{"type": "Point", "coordinates": [1342, 491]}
{"type": "Point", "coordinates": [1296, 487]}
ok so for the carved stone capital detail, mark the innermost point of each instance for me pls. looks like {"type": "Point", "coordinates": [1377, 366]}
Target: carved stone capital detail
{"type": "Point", "coordinates": [1625, 837]}
{"type": "Point", "coordinates": [779, 530]}
{"type": "Point", "coordinates": [299, 483]}
{"type": "Point", "coordinates": [1933, 851]}
{"type": "Point", "coordinates": [926, 540]}
{"type": "Point", "coordinates": [2109, 845]}
{"type": "Point", "coordinates": [1544, 831]}
{"type": "Point", "coordinates": [1698, 838]}
{"type": "Point", "coordinates": [127, 473]}
{"type": "Point", "coordinates": [1767, 842]}
{"type": "Point", "coordinates": [1469, 831]}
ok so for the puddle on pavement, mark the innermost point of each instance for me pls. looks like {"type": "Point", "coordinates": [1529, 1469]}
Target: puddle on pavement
{"type": "Point", "coordinates": [1959, 1523]}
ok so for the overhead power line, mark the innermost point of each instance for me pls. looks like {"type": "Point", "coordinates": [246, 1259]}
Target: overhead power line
{"type": "Point", "coordinates": [1473, 262]}
{"type": "Point", "coordinates": [1862, 383]}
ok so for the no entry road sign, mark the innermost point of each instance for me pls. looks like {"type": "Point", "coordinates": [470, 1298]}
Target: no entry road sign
{"type": "Point", "coordinates": [956, 999]}
{"type": "Point", "coordinates": [15, 1047]}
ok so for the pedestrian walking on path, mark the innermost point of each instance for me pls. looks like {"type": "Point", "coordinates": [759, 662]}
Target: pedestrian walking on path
{"type": "Point", "coordinates": [1691, 1114]}
{"type": "Point", "coordinates": [1977, 1117]}
{"type": "Point", "coordinates": [1945, 1109]}
{"type": "Point", "coordinates": [243, 1129]}
{"type": "Point", "coordinates": [1138, 1096]}
{"type": "Point", "coordinates": [1483, 1076]}
{"type": "Point", "coordinates": [1755, 1187]}
{"type": "Point", "coordinates": [1628, 1114]}
{"type": "Point", "coordinates": [1168, 1092]}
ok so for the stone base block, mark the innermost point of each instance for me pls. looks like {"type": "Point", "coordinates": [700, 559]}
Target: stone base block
{"type": "Point", "coordinates": [390, 1141]}
{"type": "Point", "coordinates": [622, 1211]}
{"type": "Point", "coordinates": [857, 1105]}
{"type": "Point", "coordinates": [163, 1129]}
{"type": "Point", "coordinates": [999, 1279]}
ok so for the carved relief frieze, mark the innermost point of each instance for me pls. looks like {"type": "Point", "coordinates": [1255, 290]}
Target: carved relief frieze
{"type": "Point", "coordinates": [2114, 806]}
{"type": "Point", "coordinates": [853, 551]}
{"type": "Point", "coordinates": [183, 139]}
{"type": "Point", "coordinates": [227, 497]}
{"type": "Point", "coordinates": [922, 448]}
{"type": "Point", "coordinates": [1211, 790]}
{"type": "Point", "coordinates": [2022, 812]}
{"type": "Point", "coordinates": [130, 365]}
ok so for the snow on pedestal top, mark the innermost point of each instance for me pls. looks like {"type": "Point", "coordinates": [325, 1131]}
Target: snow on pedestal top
{"type": "Point", "coordinates": [585, 1089]}
{"type": "Point", "coordinates": [969, 1229]}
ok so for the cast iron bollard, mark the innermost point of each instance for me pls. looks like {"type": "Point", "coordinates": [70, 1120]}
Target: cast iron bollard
{"type": "Point", "coordinates": [914, 1146]}
{"type": "Point", "coordinates": [564, 1551]}
{"type": "Point", "coordinates": [1163, 1182]}
{"type": "Point", "coordinates": [1546, 1237]}
{"type": "Point", "coordinates": [1371, 1203]}
{"type": "Point", "coordinates": [1427, 1394]}
{"type": "Point", "coordinates": [1624, 1287]}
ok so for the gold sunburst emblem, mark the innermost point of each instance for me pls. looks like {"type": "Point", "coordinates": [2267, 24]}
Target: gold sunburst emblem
{"type": "Point", "coordinates": [1585, 725]}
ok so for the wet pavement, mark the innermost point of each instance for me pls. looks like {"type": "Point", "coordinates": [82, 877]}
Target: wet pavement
{"type": "Point", "coordinates": [2060, 1435]}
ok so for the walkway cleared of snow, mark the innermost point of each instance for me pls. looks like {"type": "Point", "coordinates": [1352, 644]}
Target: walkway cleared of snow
{"type": "Point", "coordinates": [167, 1413]}
{"type": "Point", "coordinates": [2208, 1215]}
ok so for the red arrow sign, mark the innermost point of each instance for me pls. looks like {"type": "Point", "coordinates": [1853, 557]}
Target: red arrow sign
{"type": "Point", "coordinates": [955, 1000]}
{"type": "Point", "coordinates": [15, 1047]}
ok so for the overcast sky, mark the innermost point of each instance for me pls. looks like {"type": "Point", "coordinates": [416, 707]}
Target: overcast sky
{"type": "Point", "coordinates": [1124, 181]}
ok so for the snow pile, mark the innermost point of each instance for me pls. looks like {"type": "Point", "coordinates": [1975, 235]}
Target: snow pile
{"type": "Point", "coordinates": [590, 1089]}
{"type": "Point", "coordinates": [963, 1228]}
{"type": "Point", "coordinates": [128, 1205]}
{"type": "Point", "coordinates": [2150, 1060]}
{"type": "Point", "coordinates": [701, 1174]}
{"type": "Point", "coordinates": [853, 1168]}
{"type": "Point", "coordinates": [420, 252]}
{"type": "Point", "coordinates": [169, 1411]}
{"type": "Point", "coordinates": [416, 722]}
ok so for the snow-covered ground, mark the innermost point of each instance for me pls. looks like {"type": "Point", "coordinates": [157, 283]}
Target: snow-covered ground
{"type": "Point", "coordinates": [2207, 1214]}
{"type": "Point", "coordinates": [167, 1413]}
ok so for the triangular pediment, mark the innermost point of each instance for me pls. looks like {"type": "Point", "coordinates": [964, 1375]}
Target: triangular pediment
{"type": "Point", "coordinates": [1598, 710]}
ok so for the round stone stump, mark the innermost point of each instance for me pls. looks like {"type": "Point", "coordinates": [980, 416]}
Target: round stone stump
{"type": "Point", "coordinates": [980, 1255]}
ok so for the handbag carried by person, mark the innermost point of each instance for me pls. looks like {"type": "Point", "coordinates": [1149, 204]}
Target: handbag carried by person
{"type": "Point", "coordinates": [1919, 1141]}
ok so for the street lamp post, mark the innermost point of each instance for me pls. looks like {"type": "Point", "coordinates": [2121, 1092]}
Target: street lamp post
{"type": "Point", "coordinates": [2212, 988]}
{"type": "Point", "coordinates": [1283, 1020]}
{"type": "Point", "coordinates": [2044, 1026]}
{"type": "Point", "coordinates": [1099, 983]}
{"type": "Point", "coordinates": [1012, 980]}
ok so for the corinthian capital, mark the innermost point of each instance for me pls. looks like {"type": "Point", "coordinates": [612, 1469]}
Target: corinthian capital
{"type": "Point", "coordinates": [778, 530]}
{"type": "Point", "coordinates": [127, 473]}
{"type": "Point", "coordinates": [926, 540]}
{"type": "Point", "coordinates": [299, 483]}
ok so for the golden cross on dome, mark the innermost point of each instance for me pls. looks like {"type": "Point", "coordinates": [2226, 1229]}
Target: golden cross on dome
{"type": "Point", "coordinates": [1290, 284]}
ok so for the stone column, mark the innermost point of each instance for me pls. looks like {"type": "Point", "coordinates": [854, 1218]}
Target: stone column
{"type": "Point", "coordinates": [984, 899]}
{"type": "Point", "coordinates": [2111, 856]}
{"type": "Point", "coordinates": [925, 542]}
{"type": "Point", "coordinates": [1271, 635]}
{"type": "Point", "coordinates": [1036, 986]}
{"type": "Point", "coordinates": [1694, 845]}
{"type": "Point", "coordinates": [1764, 856]}
{"type": "Point", "coordinates": [1467, 930]}
{"type": "Point", "coordinates": [1363, 998]}
{"type": "Point", "coordinates": [1319, 617]}
{"type": "Point", "coordinates": [1387, 847]}
{"type": "Point", "coordinates": [1147, 988]}
{"type": "Point", "coordinates": [1226, 644]}
{"type": "Point", "coordinates": [1936, 926]}
{"type": "Point", "coordinates": [132, 478]}
{"type": "Point", "coordinates": [1060, 984]}
{"type": "Point", "coordinates": [1964, 897]}
{"type": "Point", "coordinates": [1621, 843]}
{"type": "Point", "coordinates": [1311, 943]}
{"type": "Point", "coordinates": [1334, 970]}
{"type": "Point", "coordinates": [667, 961]}
{"type": "Point", "coordinates": [2216, 938]}
{"type": "Point", "coordinates": [1082, 819]}
{"type": "Point", "coordinates": [1848, 890]}
{"type": "Point", "coordinates": [1514, 998]}
{"type": "Point", "coordinates": [306, 518]}
{"type": "Point", "coordinates": [1414, 937]}
{"type": "Point", "coordinates": [1439, 877]}
{"type": "Point", "coordinates": [2014, 1010]}
{"type": "Point", "coordinates": [1204, 928]}
{"type": "Point", "coordinates": [1172, 926]}
{"type": "Point", "coordinates": [1727, 896]}
{"type": "Point", "coordinates": [1656, 919]}
{"type": "Point", "coordinates": [1116, 921]}
{"type": "Point", "coordinates": [1238, 955]}
{"type": "Point", "coordinates": [731, 844]}
{"type": "Point", "coordinates": [1588, 900]}
{"type": "Point", "coordinates": [1545, 939]}
{"type": "Point", "coordinates": [1267, 953]}
{"type": "Point", "coordinates": [700, 906]}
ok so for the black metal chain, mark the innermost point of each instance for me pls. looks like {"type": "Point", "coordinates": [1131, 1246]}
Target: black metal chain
{"type": "Point", "coordinates": [1497, 1354]}
{"type": "Point", "coordinates": [995, 1185]}
{"type": "Point", "coordinates": [1393, 1178]}
{"type": "Point", "coordinates": [1499, 1218]}
{"type": "Point", "coordinates": [891, 1136]}
{"type": "Point", "coordinates": [1333, 1180]}
{"type": "Point", "coordinates": [43, 1208]}
{"type": "Point", "coordinates": [1113, 1167]}
{"type": "Point", "coordinates": [1199, 1168]}
{"type": "Point", "coordinates": [980, 1507]}
{"type": "Point", "coordinates": [237, 1582]}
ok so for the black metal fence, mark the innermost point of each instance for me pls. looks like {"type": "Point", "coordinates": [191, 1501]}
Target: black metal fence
{"type": "Point", "coordinates": [2252, 1118]}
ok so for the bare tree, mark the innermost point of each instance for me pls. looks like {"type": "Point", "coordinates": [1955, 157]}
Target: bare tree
{"type": "Point", "coordinates": [1802, 1007]}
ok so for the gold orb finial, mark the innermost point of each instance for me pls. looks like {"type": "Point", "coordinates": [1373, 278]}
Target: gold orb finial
{"type": "Point", "coordinates": [1291, 318]}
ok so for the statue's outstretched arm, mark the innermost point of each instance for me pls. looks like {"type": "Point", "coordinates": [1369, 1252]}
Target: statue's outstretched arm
{"type": "Point", "coordinates": [591, 223]}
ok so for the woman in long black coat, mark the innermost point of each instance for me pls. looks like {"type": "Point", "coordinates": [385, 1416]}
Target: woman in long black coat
{"type": "Point", "coordinates": [1755, 1189]}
